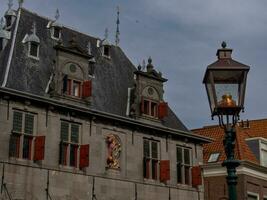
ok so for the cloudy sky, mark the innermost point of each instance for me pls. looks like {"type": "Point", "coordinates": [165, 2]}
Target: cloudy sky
{"type": "Point", "coordinates": [182, 37]}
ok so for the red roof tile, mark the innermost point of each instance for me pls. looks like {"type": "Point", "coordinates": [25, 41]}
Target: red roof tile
{"type": "Point", "coordinates": [257, 128]}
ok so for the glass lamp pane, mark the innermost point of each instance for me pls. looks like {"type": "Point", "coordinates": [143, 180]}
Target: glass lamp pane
{"type": "Point", "coordinates": [227, 95]}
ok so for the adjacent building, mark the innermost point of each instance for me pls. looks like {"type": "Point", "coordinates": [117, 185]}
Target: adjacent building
{"type": "Point", "coordinates": [79, 121]}
{"type": "Point", "coordinates": [250, 149]}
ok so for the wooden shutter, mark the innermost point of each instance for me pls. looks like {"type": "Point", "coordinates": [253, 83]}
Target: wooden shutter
{"type": "Point", "coordinates": [39, 148]}
{"type": "Point", "coordinates": [65, 83]}
{"type": "Point", "coordinates": [196, 176]}
{"type": "Point", "coordinates": [163, 110]}
{"type": "Point", "coordinates": [84, 155]}
{"type": "Point", "coordinates": [164, 170]}
{"type": "Point", "coordinates": [87, 88]}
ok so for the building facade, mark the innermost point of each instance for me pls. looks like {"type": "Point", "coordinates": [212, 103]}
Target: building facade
{"type": "Point", "coordinates": [250, 149]}
{"type": "Point", "coordinates": [79, 121]}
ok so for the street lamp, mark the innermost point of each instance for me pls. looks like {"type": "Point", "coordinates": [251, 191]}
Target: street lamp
{"type": "Point", "coordinates": [225, 82]}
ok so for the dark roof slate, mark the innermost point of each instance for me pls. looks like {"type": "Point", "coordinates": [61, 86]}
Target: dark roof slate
{"type": "Point", "coordinates": [112, 79]}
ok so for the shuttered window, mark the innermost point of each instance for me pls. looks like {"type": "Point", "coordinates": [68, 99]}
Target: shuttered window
{"type": "Point", "coordinates": [70, 146]}
{"type": "Point", "coordinates": [151, 162]}
{"type": "Point", "coordinates": [22, 136]}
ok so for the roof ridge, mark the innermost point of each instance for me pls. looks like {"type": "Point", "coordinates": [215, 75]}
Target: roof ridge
{"type": "Point", "coordinates": [65, 26]}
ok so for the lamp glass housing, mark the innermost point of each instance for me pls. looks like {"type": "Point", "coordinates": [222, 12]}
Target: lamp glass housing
{"type": "Point", "coordinates": [225, 90]}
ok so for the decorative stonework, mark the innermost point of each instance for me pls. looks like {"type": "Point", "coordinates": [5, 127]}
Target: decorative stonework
{"type": "Point", "coordinates": [114, 151]}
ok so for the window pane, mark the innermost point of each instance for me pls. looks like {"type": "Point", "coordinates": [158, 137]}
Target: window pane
{"type": "Point", "coordinates": [17, 121]}
{"type": "Point", "coordinates": [154, 109]}
{"type": "Point", "coordinates": [73, 155]}
{"type": "Point", "coordinates": [146, 149]}
{"type": "Point", "coordinates": [179, 155]}
{"type": "Point", "coordinates": [154, 150]}
{"type": "Point", "coordinates": [27, 141]}
{"type": "Point", "coordinates": [154, 169]}
{"type": "Point", "coordinates": [34, 49]}
{"type": "Point", "coordinates": [63, 153]}
{"type": "Point", "coordinates": [76, 88]}
{"type": "Point", "coordinates": [106, 50]}
{"type": "Point", "coordinates": [187, 156]}
{"type": "Point", "coordinates": [14, 144]}
{"type": "Point", "coordinates": [1, 43]}
{"type": "Point", "coordinates": [252, 197]}
{"type": "Point", "coordinates": [75, 133]}
{"type": "Point", "coordinates": [146, 107]}
{"type": "Point", "coordinates": [29, 122]}
{"type": "Point", "coordinates": [187, 175]}
{"type": "Point", "coordinates": [179, 173]}
{"type": "Point", "coordinates": [64, 131]}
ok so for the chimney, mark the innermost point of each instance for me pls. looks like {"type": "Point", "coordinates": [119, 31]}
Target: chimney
{"type": "Point", "coordinates": [224, 53]}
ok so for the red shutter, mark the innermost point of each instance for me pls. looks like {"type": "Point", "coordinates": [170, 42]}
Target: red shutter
{"type": "Point", "coordinates": [147, 163]}
{"type": "Point", "coordinates": [84, 155]}
{"type": "Point", "coordinates": [163, 110]}
{"type": "Point", "coordinates": [142, 105]}
{"type": "Point", "coordinates": [39, 147]}
{"type": "Point", "coordinates": [164, 170]}
{"type": "Point", "coordinates": [87, 88]}
{"type": "Point", "coordinates": [196, 176]}
{"type": "Point", "coordinates": [69, 87]}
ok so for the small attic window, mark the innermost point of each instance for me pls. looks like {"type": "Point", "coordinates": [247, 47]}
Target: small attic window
{"type": "Point", "coordinates": [8, 21]}
{"type": "Point", "coordinates": [34, 50]}
{"type": "Point", "coordinates": [213, 157]}
{"type": "Point", "coordinates": [56, 32]}
{"type": "Point", "coordinates": [106, 51]}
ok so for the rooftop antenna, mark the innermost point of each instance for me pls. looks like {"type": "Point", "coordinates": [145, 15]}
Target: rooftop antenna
{"type": "Point", "coordinates": [117, 39]}
{"type": "Point", "coordinates": [106, 33]}
{"type": "Point", "coordinates": [10, 4]}
{"type": "Point", "coordinates": [57, 14]}
{"type": "Point", "coordinates": [20, 3]}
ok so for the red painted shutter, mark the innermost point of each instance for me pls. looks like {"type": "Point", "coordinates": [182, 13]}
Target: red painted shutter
{"type": "Point", "coordinates": [162, 110]}
{"type": "Point", "coordinates": [196, 176]}
{"type": "Point", "coordinates": [84, 155]}
{"type": "Point", "coordinates": [39, 147]}
{"type": "Point", "coordinates": [164, 170]}
{"type": "Point", "coordinates": [87, 88]}
{"type": "Point", "coordinates": [142, 105]}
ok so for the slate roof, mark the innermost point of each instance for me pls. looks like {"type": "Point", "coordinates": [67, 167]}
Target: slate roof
{"type": "Point", "coordinates": [257, 128]}
{"type": "Point", "coordinates": [112, 76]}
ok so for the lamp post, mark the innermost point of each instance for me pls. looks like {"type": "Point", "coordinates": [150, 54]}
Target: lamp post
{"type": "Point", "coordinates": [225, 82]}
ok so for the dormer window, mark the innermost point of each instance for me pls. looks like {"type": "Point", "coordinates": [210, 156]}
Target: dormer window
{"type": "Point", "coordinates": [150, 108]}
{"type": "Point", "coordinates": [106, 51]}
{"type": "Point", "coordinates": [74, 88]}
{"type": "Point", "coordinates": [34, 50]}
{"type": "Point", "coordinates": [8, 21]}
{"type": "Point", "coordinates": [56, 32]}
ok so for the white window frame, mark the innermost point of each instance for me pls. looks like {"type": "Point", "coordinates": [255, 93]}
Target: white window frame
{"type": "Point", "coordinates": [253, 194]}
{"type": "Point", "coordinates": [29, 51]}
{"type": "Point", "coordinates": [211, 158]}
{"type": "Point", "coordinates": [150, 141]}
{"type": "Point", "coordinates": [103, 51]}
{"type": "Point", "coordinates": [183, 165]}
{"type": "Point", "coordinates": [53, 32]}
{"type": "Point", "coordinates": [69, 143]}
{"type": "Point", "coordinates": [22, 134]}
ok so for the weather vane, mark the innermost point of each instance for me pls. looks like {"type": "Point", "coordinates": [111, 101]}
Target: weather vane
{"type": "Point", "coordinates": [117, 39]}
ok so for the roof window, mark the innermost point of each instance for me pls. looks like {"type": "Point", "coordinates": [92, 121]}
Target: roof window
{"type": "Point", "coordinates": [214, 157]}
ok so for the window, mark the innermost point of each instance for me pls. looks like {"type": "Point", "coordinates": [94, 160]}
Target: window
{"type": "Point", "coordinates": [74, 88]}
{"type": "Point", "coordinates": [183, 165]}
{"type": "Point", "coordinates": [151, 159]}
{"type": "Point", "coordinates": [23, 138]}
{"type": "Point", "coordinates": [8, 21]}
{"type": "Point", "coordinates": [252, 196]}
{"type": "Point", "coordinates": [214, 157]}
{"type": "Point", "coordinates": [33, 49]}
{"type": "Point", "coordinates": [72, 153]}
{"type": "Point", "coordinates": [150, 108]}
{"type": "Point", "coordinates": [106, 51]}
{"type": "Point", "coordinates": [56, 33]}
